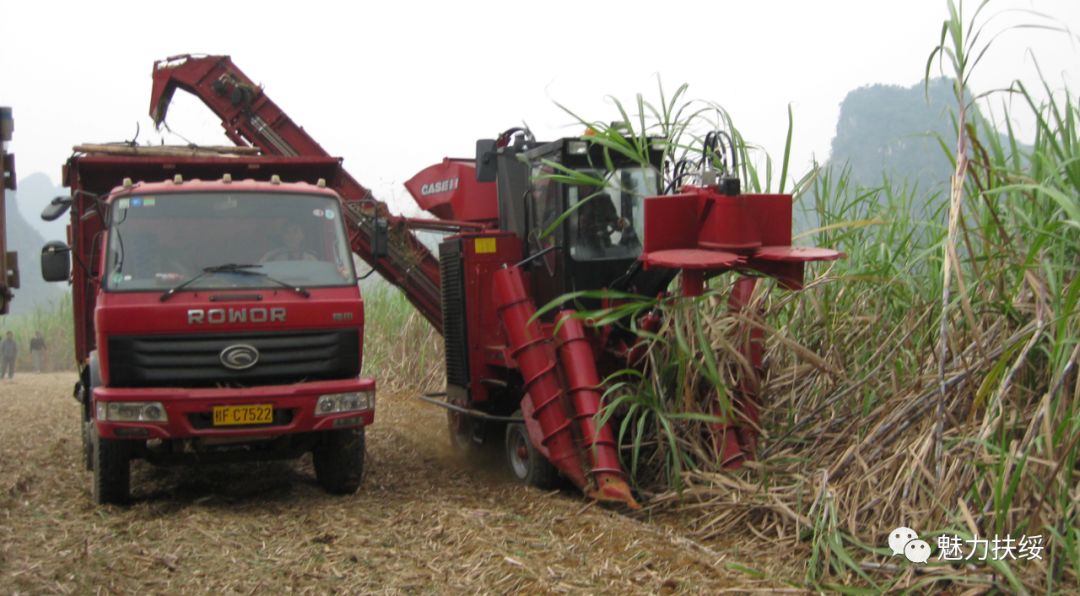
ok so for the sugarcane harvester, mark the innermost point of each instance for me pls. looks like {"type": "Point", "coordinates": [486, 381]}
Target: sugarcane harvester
{"type": "Point", "coordinates": [519, 237]}
{"type": "Point", "coordinates": [548, 236]}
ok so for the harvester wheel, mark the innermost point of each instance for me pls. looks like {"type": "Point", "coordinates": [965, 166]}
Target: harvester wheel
{"type": "Point", "coordinates": [527, 464]}
{"type": "Point", "coordinates": [461, 432]}
{"type": "Point", "coordinates": [339, 461]}
{"type": "Point", "coordinates": [112, 470]}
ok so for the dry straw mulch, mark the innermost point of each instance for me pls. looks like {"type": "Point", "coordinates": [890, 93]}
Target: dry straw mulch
{"type": "Point", "coordinates": [424, 522]}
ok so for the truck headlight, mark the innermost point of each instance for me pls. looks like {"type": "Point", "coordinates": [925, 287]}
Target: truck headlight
{"type": "Point", "coordinates": [131, 411]}
{"type": "Point", "coordinates": [335, 403]}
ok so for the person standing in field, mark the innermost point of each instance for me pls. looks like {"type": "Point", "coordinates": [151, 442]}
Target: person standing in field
{"type": "Point", "coordinates": [8, 350]}
{"type": "Point", "coordinates": [37, 351]}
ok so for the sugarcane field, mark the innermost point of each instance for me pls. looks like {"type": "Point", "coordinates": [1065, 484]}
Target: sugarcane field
{"type": "Point", "coordinates": [423, 298]}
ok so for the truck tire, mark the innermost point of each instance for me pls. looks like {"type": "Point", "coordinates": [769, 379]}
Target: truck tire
{"type": "Point", "coordinates": [112, 470]}
{"type": "Point", "coordinates": [527, 464]}
{"type": "Point", "coordinates": [88, 444]}
{"type": "Point", "coordinates": [92, 379]}
{"type": "Point", "coordinates": [339, 461]}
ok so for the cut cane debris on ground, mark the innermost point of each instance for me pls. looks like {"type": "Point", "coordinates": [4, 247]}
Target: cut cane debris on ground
{"type": "Point", "coordinates": [422, 522]}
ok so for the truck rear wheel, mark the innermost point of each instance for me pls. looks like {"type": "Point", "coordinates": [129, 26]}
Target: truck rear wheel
{"type": "Point", "coordinates": [112, 470]}
{"type": "Point", "coordinates": [339, 461]}
{"type": "Point", "coordinates": [527, 464]}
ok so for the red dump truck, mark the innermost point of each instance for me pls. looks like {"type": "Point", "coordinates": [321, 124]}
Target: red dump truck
{"type": "Point", "coordinates": [216, 309]}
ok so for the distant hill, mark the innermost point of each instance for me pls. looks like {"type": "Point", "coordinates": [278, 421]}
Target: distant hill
{"type": "Point", "coordinates": [23, 206]}
{"type": "Point", "coordinates": [894, 131]}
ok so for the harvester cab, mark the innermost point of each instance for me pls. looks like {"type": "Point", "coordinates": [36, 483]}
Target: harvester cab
{"type": "Point", "coordinates": [579, 214]}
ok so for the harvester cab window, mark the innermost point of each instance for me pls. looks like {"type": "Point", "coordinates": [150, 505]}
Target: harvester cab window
{"type": "Point", "coordinates": [161, 241]}
{"type": "Point", "coordinates": [607, 220]}
{"type": "Point", "coordinates": [544, 208]}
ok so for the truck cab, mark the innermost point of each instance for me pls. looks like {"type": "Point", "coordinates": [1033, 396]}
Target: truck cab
{"type": "Point", "coordinates": [216, 318]}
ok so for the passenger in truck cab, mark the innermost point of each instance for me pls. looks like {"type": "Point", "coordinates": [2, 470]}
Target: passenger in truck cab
{"type": "Point", "coordinates": [292, 249]}
{"type": "Point", "coordinates": [145, 258]}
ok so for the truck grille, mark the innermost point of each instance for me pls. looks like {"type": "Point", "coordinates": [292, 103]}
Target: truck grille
{"type": "Point", "coordinates": [195, 360]}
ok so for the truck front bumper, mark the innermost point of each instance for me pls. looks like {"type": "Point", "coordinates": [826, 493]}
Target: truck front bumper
{"type": "Point", "coordinates": [190, 412]}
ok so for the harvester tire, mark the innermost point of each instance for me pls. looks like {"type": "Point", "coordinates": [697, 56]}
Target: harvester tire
{"type": "Point", "coordinates": [112, 470]}
{"type": "Point", "coordinates": [339, 461]}
{"type": "Point", "coordinates": [527, 464]}
{"type": "Point", "coordinates": [462, 430]}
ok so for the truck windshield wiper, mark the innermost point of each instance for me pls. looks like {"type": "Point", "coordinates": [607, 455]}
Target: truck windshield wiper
{"type": "Point", "coordinates": [239, 268]}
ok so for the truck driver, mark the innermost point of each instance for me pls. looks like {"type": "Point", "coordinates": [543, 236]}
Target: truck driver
{"type": "Point", "coordinates": [292, 237]}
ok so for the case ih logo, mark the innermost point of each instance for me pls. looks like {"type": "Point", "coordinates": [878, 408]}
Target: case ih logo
{"type": "Point", "coordinates": [239, 357]}
{"type": "Point", "coordinates": [220, 316]}
{"type": "Point", "coordinates": [440, 186]}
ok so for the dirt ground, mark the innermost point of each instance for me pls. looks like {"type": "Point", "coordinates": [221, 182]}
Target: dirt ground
{"type": "Point", "coordinates": [423, 522]}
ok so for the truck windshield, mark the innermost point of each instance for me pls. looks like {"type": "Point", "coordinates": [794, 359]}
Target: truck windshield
{"type": "Point", "coordinates": [608, 221]}
{"type": "Point", "coordinates": [159, 241]}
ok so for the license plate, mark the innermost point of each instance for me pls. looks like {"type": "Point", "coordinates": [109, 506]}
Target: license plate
{"type": "Point", "coordinates": [238, 415]}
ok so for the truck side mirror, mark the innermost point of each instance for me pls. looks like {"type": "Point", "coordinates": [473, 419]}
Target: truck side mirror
{"type": "Point", "coordinates": [55, 261]}
{"type": "Point", "coordinates": [380, 236]}
{"type": "Point", "coordinates": [55, 209]}
{"type": "Point", "coordinates": [485, 160]}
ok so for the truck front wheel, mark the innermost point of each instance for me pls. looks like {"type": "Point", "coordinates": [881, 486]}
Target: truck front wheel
{"type": "Point", "coordinates": [112, 470]}
{"type": "Point", "coordinates": [91, 378]}
{"type": "Point", "coordinates": [88, 444]}
{"type": "Point", "coordinates": [339, 461]}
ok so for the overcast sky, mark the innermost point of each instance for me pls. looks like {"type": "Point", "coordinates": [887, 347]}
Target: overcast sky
{"type": "Point", "coordinates": [395, 86]}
